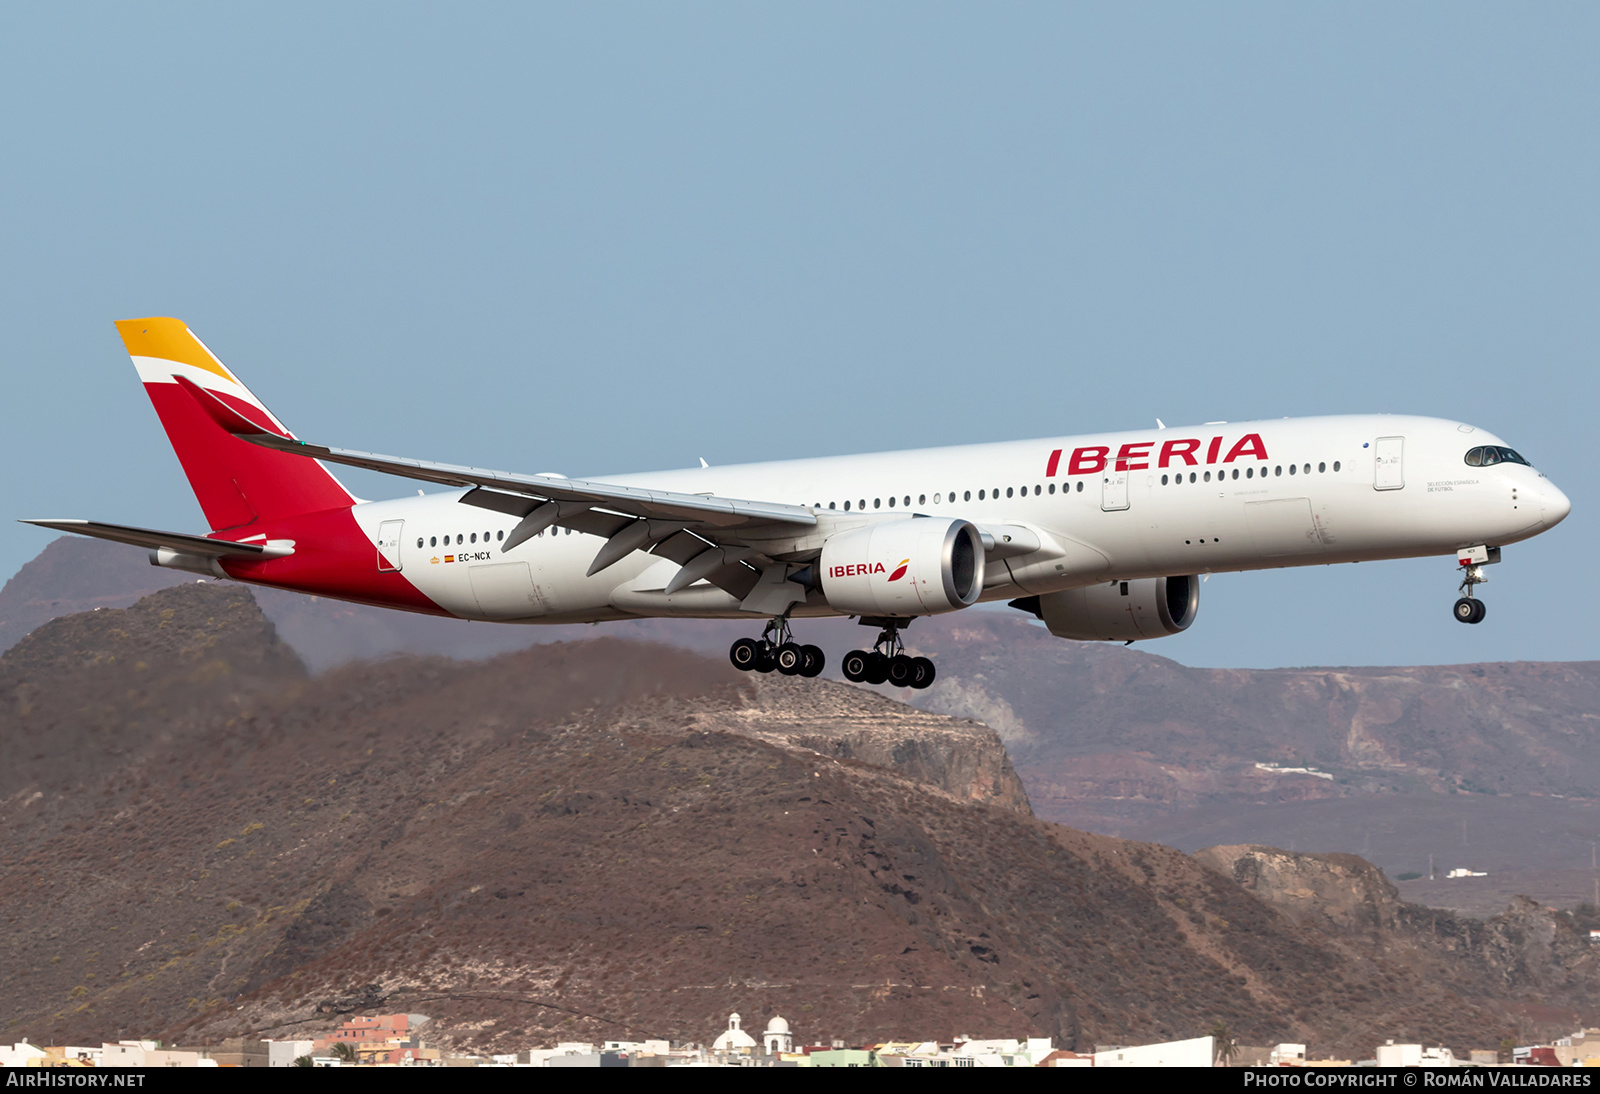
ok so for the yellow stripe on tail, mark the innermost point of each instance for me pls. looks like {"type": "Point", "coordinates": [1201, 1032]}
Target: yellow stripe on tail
{"type": "Point", "coordinates": [169, 340]}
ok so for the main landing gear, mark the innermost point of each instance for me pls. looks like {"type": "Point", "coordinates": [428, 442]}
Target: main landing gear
{"type": "Point", "coordinates": [887, 663]}
{"type": "Point", "coordinates": [1469, 609]}
{"type": "Point", "coordinates": [777, 649]}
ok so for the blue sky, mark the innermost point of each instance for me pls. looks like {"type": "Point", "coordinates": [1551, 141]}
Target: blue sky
{"type": "Point", "coordinates": [600, 239]}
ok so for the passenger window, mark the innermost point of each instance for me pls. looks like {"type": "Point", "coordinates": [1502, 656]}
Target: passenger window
{"type": "Point", "coordinates": [1307, 469]}
{"type": "Point", "coordinates": [458, 539]}
{"type": "Point", "coordinates": [1278, 470]}
{"type": "Point", "coordinates": [1208, 476]}
{"type": "Point", "coordinates": [1322, 468]}
{"type": "Point", "coordinates": [1235, 472]}
{"type": "Point", "coordinates": [1036, 490]}
{"type": "Point", "coordinates": [1249, 472]}
{"type": "Point", "coordinates": [847, 507]}
{"type": "Point", "coordinates": [922, 499]}
{"type": "Point", "coordinates": [1291, 469]}
{"type": "Point", "coordinates": [474, 537]}
{"type": "Point", "coordinates": [830, 505]}
{"type": "Point", "coordinates": [936, 499]}
{"type": "Point", "coordinates": [908, 499]}
{"type": "Point", "coordinates": [1080, 486]}
{"type": "Point", "coordinates": [1163, 480]}
{"type": "Point", "coordinates": [1008, 491]}
{"type": "Point", "coordinates": [981, 495]}
{"type": "Point", "coordinates": [966, 496]}
{"type": "Point", "coordinates": [1336, 465]}
{"type": "Point", "coordinates": [891, 503]}
{"type": "Point", "coordinates": [1052, 488]}
{"type": "Point", "coordinates": [501, 534]}
{"type": "Point", "coordinates": [433, 541]}
{"type": "Point", "coordinates": [419, 541]}
{"type": "Point", "coordinates": [862, 504]}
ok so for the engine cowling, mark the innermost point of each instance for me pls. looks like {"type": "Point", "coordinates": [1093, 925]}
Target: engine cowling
{"type": "Point", "coordinates": [919, 566]}
{"type": "Point", "coordinates": [1119, 611]}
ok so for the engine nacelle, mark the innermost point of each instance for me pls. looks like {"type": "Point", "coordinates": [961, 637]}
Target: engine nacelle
{"type": "Point", "coordinates": [1119, 611]}
{"type": "Point", "coordinates": [918, 566]}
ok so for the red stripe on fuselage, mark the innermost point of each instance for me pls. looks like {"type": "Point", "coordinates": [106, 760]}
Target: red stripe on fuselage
{"type": "Point", "coordinates": [332, 557]}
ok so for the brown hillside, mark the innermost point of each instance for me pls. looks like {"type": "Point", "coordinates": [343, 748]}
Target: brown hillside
{"type": "Point", "coordinates": [607, 839]}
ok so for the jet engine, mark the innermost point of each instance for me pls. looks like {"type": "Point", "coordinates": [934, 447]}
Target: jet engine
{"type": "Point", "coordinates": [918, 566]}
{"type": "Point", "coordinates": [1119, 611]}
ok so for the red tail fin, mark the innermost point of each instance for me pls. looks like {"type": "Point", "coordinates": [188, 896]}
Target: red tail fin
{"type": "Point", "coordinates": [236, 482]}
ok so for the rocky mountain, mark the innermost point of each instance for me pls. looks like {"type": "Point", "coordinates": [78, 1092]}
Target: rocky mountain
{"type": "Point", "coordinates": [611, 839]}
{"type": "Point", "coordinates": [1547, 959]}
{"type": "Point", "coordinates": [1489, 766]}
{"type": "Point", "coordinates": [74, 574]}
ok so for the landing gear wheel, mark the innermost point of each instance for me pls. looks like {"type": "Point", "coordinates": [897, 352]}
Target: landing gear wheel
{"type": "Point", "coordinates": [888, 661]}
{"type": "Point", "coordinates": [815, 660]}
{"type": "Point", "coordinates": [745, 654]}
{"type": "Point", "coordinates": [901, 671]}
{"type": "Point", "coordinates": [790, 659]}
{"type": "Point", "coordinates": [877, 668]}
{"type": "Point", "coordinates": [1468, 609]}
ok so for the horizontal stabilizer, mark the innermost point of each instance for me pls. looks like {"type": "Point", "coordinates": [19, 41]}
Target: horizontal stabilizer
{"type": "Point", "coordinates": [176, 541]}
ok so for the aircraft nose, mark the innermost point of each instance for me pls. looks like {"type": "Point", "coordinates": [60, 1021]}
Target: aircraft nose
{"type": "Point", "coordinates": [1553, 504]}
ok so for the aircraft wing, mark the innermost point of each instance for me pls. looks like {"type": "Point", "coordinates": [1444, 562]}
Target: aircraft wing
{"type": "Point", "coordinates": [568, 495]}
{"type": "Point", "coordinates": [150, 537]}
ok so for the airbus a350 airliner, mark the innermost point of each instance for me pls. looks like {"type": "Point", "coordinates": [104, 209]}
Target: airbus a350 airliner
{"type": "Point", "coordinates": [1102, 537]}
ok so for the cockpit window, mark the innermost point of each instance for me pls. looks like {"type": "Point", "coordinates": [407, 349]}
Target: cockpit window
{"type": "Point", "coordinates": [1489, 454]}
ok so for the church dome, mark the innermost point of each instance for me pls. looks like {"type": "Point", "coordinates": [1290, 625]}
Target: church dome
{"type": "Point", "coordinates": [733, 1038]}
{"type": "Point", "coordinates": [777, 1025]}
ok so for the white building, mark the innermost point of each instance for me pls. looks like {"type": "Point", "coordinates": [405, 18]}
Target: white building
{"type": "Point", "coordinates": [19, 1054]}
{"type": "Point", "coordinates": [777, 1038]}
{"type": "Point", "coordinates": [1195, 1052]}
{"type": "Point", "coordinates": [733, 1039]}
{"type": "Point", "coordinates": [1001, 1052]}
{"type": "Point", "coordinates": [285, 1053]}
{"type": "Point", "coordinates": [1393, 1055]}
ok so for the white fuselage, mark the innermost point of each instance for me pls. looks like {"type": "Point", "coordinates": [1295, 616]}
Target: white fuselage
{"type": "Point", "coordinates": [1189, 500]}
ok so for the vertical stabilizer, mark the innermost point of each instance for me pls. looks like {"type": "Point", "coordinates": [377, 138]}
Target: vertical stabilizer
{"type": "Point", "coordinates": [236, 483]}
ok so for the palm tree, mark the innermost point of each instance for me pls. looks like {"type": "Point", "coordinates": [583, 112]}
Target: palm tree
{"type": "Point", "coordinates": [345, 1052]}
{"type": "Point", "coordinates": [1225, 1045]}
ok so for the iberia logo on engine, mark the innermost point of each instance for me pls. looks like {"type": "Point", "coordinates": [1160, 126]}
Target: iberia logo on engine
{"type": "Point", "coordinates": [867, 569]}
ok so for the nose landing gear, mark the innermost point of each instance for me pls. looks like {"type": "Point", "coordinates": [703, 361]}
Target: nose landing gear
{"type": "Point", "coordinates": [887, 662]}
{"type": "Point", "coordinates": [1469, 609]}
{"type": "Point", "coordinates": [777, 649]}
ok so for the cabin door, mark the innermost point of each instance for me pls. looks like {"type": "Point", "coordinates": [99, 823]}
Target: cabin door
{"type": "Point", "coordinates": [1113, 489]}
{"type": "Point", "coordinates": [389, 546]}
{"type": "Point", "coordinates": [1389, 467]}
